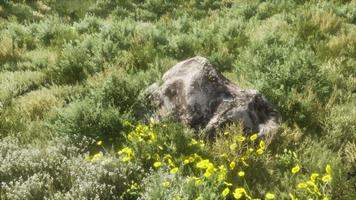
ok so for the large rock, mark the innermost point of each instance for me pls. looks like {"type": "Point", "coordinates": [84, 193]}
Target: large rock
{"type": "Point", "coordinates": [195, 93]}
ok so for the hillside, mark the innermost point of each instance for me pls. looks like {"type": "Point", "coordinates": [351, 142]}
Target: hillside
{"type": "Point", "coordinates": [72, 76]}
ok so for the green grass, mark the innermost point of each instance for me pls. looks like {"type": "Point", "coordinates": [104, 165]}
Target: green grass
{"type": "Point", "coordinates": [73, 73]}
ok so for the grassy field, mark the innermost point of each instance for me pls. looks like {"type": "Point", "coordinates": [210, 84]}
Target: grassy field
{"type": "Point", "coordinates": [72, 75]}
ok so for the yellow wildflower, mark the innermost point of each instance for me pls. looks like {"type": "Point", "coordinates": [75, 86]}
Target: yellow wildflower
{"type": "Point", "coordinates": [209, 171]}
{"type": "Point", "coordinates": [232, 165]}
{"type": "Point", "coordinates": [233, 146]}
{"type": "Point", "coordinates": [167, 156]}
{"type": "Point", "coordinates": [166, 184]}
{"type": "Point", "coordinates": [157, 164]}
{"type": "Point", "coordinates": [196, 157]}
{"type": "Point", "coordinates": [222, 173]}
{"type": "Point", "coordinates": [130, 137]}
{"type": "Point", "coordinates": [270, 196]}
{"type": "Point", "coordinates": [199, 198]}
{"type": "Point", "coordinates": [193, 142]}
{"type": "Point", "coordinates": [314, 186]}
{"type": "Point", "coordinates": [224, 156]}
{"type": "Point", "coordinates": [174, 170]}
{"type": "Point", "coordinates": [148, 156]}
{"type": "Point", "coordinates": [314, 176]}
{"type": "Point", "coordinates": [87, 158]}
{"type": "Point", "coordinates": [157, 156]}
{"type": "Point", "coordinates": [241, 173]}
{"type": "Point", "coordinates": [295, 169]}
{"type": "Point", "coordinates": [198, 182]}
{"type": "Point", "coordinates": [202, 144]}
{"type": "Point", "coordinates": [326, 178]}
{"type": "Point", "coordinates": [243, 160]}
{"type": "Point", "coordinates": [253, 137]}
{"type": "Point", "coordinates": [204, 164]}
{"type": "Point", "coordinates": [292, 197]}
{"type": "Point", "coordinates": [97, 156]}
{"type": "Point", "coordinates": [302, 186]}
{"type": "Point", "coordinates": [241, 138]}
{"type": "Point", "coordinates": [227, 184]}
{"type": "Point", "coordinates": [129, 154]}
{"type": "Point", "coordinates": [259, 151]}
{"type": "Point", "coordinates": [239, 192]}
{"type": "Point", "coordinates": [262, 144]}
{"type": "Point", "coordinates": [328, 169]}
{"type": "Point", "coordinates": [190, 159]}
{"type": "Point", "coordinates": [99, 142]}
{"type": "Point", "coordinates": [170, 162]}
{"type": "Point", "coordinates": [186, 161]}
{"type": "Point", "coordinates": [225, 192]}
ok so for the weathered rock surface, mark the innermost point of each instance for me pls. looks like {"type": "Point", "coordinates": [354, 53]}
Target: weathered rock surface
{"type": "Point", "coordinates": [193, 92]}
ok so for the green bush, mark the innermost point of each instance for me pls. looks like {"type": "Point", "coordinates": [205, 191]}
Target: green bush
{"type": "Point", "coordinates": [90, 119]}
{"type": "Point", "coordinates": [54, 32]}
{"type": "Point", "coordinates": [76, 63]}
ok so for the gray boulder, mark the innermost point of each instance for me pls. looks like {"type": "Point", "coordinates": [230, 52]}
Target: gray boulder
{"type": "Point", "coordinates": [195, 93]}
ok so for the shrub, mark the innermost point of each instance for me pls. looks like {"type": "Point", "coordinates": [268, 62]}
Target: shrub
{"type": "Point", "coordinates": [90, 24]}
{"type": "Point", "coordinates": [87, 118]}
{"type": "Point", "coordinates": [121, 92]}
{"type": "Point", "coordinates": [75, 65]}
{"type": "Point", "coordinates": [54, 32]}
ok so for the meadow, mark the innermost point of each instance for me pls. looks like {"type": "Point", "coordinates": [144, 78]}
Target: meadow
{"type": "Point", "coordinates": [72, 76]}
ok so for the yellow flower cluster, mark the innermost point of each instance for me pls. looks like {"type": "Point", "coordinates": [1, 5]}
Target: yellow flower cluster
{"type": "Point", "coordinates": [97, 157]}
{"type": "Point", "coordinates": [128, 154]}
{"type": "Point", "coordinates": [314, 185]}
{"type": "Point", "coordinates": [143, 133]}
{"type": "Point", "coordinates": [208, 166]}
{"type": "Point", "coordinates": [261, 148]}
{"type": "Point", "coordinates": [207, 170]}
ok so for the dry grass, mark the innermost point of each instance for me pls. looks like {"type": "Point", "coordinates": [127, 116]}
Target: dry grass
{"type": "Point", "coordinates": [327, 22]}
{"type": "Point", "coordinates": [7, 49]}
{"type": "Point", "coordinates": [35, 104]}
{"type": "Point", "coordinates": [341, 44]}
{"type": "Point", "coordinates": [19, 82]}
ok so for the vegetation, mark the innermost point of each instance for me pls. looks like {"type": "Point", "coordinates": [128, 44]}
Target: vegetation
{"type": "Point", "coordinates": [72, 75]}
